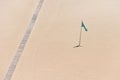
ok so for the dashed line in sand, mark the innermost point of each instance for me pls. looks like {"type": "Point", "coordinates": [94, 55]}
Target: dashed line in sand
{"type": "Point", "coordinates": [21, 47]}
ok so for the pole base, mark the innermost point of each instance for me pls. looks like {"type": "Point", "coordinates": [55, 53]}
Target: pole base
{"type": "Point", "coordinates": [77, 46]}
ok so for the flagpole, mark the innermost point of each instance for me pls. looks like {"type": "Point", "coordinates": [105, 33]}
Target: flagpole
{"type": "Point", "coordinates": [80, 37]}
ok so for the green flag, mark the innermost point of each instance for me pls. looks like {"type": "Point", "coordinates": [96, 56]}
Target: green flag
{"type": "Point", "coordinates": [83, 25]}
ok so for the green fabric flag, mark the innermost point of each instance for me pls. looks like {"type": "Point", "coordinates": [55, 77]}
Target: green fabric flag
{"type": "Point", "coordinates": [83, 25]}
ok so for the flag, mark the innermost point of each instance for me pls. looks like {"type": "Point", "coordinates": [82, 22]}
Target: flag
{"type": "Point", "coordinates": [84, 26]}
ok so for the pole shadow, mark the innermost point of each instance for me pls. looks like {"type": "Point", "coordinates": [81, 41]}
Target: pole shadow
{"type": "Point", "coordinates": [77, 46]}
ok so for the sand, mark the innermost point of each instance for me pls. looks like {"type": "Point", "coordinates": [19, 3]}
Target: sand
{"type": "Point", "coordinates": [49, 52]}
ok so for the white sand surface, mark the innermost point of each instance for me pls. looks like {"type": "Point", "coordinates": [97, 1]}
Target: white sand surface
{"type": "Point", "coordinates": [49, 53]}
